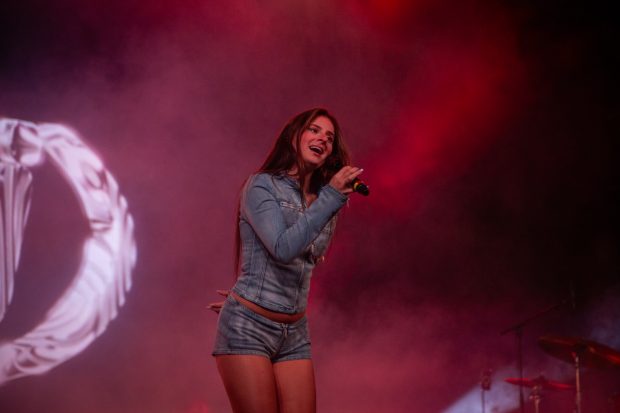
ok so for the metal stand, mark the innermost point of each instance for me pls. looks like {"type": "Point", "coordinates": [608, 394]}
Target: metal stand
{"type": "Point", "coordinates": [535, 396]}
{"type": "Point", "coordinates": [518, 330]}
{"type": "Point", "coordinates": [577, 384]}
{"type": "Point", "coordinates": [485, 385]}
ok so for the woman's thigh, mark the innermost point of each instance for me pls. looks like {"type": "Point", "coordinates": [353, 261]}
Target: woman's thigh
{"type": "Point", "coordinates": [250, 383]}
{"type": "Point", "coordinates": [295, 386]}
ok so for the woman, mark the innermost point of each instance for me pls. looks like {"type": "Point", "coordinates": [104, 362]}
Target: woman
{"type": "Point", "coordinates": [287, 215]}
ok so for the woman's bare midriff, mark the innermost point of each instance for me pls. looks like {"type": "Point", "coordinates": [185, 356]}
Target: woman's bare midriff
{"type": "Point", "coordinates": [272, 315]}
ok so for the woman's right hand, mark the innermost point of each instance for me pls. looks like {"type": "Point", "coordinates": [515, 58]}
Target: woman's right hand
{"type": "Point", "coordinates": [343, 179]}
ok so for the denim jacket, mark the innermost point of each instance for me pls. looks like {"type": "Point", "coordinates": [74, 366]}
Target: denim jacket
{"type": "Point", "coordinates": [282, 240]}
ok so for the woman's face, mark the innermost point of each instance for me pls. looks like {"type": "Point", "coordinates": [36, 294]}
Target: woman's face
{"type": "Point", "coordinates": [316, 142]}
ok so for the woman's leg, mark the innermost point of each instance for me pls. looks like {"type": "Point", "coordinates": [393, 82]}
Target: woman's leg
{"type": "Point", "coordinates": [295, 384]}
{"type": "Point", "coordinates": [249, 382]}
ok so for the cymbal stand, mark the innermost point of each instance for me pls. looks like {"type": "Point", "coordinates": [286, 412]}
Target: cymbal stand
{"type": "Point", "coordinates": [577, 383]}
{"type": "Point", "coordinates": [535, 396]}
{"type": "Point", "coordinates": [485, 385]}
{"type": "Point", "coordinates": [518, 329]}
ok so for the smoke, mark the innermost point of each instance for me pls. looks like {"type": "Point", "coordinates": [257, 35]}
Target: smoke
{"type": "Point", "coordinates": [489, 170]}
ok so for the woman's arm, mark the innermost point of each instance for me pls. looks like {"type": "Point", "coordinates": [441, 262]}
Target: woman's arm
{"type": "Point", "coordinates": [261, 209]}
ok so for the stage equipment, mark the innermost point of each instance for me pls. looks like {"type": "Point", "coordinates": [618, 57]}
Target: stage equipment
{"type": "Point", "coordinates": [568, 301]}
{"type": "Point", "coordinates": [538, 385]}
{"type": "Point", "coordinates": [581, 353]}
{"type": "Point", "coordinates": [485, 385]}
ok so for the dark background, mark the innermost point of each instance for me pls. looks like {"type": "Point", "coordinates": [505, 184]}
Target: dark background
{"type": "Point", "coordinates": [488, 135]}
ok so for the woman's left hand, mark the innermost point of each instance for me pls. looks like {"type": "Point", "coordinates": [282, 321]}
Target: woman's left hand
{"type": "Point", "coordinates": [217, 306]}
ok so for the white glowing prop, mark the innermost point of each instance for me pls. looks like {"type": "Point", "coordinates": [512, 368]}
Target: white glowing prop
{"type": "Point", "coordinates": [14, 205]}
{"type": "Point", "coordinates": [98, 289]}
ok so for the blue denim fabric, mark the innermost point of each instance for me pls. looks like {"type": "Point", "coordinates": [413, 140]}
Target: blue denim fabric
{"type": "Point", "coordinates": [281, 240]}
{"type": "Point", "coordinates": [242, 331]}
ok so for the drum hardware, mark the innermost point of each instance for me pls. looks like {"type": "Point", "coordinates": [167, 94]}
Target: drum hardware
{"type": "Point", "coordinates": [485, 386]}
{"type": "Point", "coordinates": [538, 385]}
{"type": "Point", "coordinates": [581, 353]}
{"type": "Point", "coordinates": [568, 301]}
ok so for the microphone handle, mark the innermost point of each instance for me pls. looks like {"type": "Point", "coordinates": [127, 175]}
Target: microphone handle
{"type": "Point", "coordinates": [360, 187]}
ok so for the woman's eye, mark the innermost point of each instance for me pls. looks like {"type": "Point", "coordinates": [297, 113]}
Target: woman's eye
{"type": "Point", "coordinates": [313, 130]}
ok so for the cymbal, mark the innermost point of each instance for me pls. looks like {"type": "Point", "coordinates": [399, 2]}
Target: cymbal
{"type": "Point", "coordinates": [591, 353]}
{"type": "Point", "coordinates": [540, 382]}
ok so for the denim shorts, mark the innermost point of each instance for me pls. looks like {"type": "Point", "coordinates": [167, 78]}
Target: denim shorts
{"type": "Point", "coordinates": [241, 331]}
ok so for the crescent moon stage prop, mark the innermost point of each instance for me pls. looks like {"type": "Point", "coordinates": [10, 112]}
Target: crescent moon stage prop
{"type": "Point", "coordinates": [99, 287]}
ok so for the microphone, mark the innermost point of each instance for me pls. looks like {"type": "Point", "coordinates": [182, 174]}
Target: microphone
{"type": "Point", "coordinates": [357, 184]}
{"type": "Point", "coordinates": [360, 187]}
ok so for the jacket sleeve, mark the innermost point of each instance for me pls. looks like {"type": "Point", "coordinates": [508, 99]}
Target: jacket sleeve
{"type": "Point", "coordinates": [261, 209]}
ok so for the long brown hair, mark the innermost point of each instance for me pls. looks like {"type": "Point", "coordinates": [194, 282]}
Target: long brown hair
{"type": "Point", "coordinates": [283, 157]}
